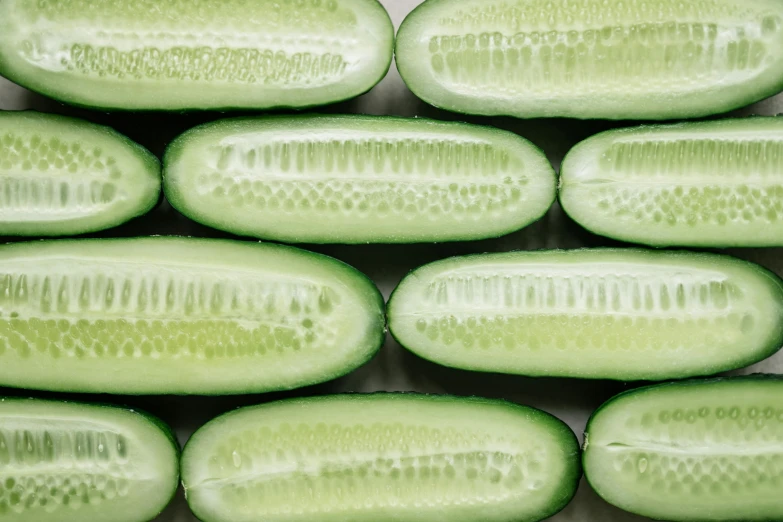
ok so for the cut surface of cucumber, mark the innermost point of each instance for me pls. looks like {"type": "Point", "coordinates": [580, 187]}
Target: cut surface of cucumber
{"type": "Point", "coordinates": [357, 179]}
{"type": "Point", "coordinates": [691, 451]}
{"type": "Point", "coordinates": [381, 457]}
{"type": "Point", "coordinates": [603, 313]}
{"type": "Point", "coordinates": [179, 55]}
{"type": "Point", "coordinates": [180, 315]}
{"type": "Point", "coordinates": [63, 176]}
{"type": "Point", "coordinates": [612, 59]}
{"type": "Point", "coordinates": [71, 462]}
{"type": "Point", "coordinates": [707, 184]}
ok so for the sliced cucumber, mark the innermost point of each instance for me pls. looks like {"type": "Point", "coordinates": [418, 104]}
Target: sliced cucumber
{"type": "Point", "coordinates": [604, 313]}
{"type": "Point", "coordinates": [712, 184]}
{"type": "Point", "coordinates": [611, 59]}
{"type": "Point", "coordinates": [357, 179]}
{"type": "Point", "coordinates": [691, 451]}
{"type": "Point", "coordinates": [179, 54]}
{"type": "Point", "coordinates": [176, 315]}
{"type": "Point", "coordinates": [62, 176]}
{"type": "Point", "coordinates": [69, 462]}
{"type": "Point", "coordinates": [382, 457]}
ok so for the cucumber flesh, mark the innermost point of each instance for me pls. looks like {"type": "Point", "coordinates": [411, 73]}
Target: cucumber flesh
{"type": "Point", "coordinates": [382, 457]}
{"type": "Point", "coordinates": [69, 462]}
{"type": "Point", "coordinates": [357, 179]}
{"type": "Point", "coordinates": [63, 176]}
{"type": "Point", "coordinates": [612, 59]}
{"type": "Point", "coordinates": [694, 451]}
{"type": "Point", "coordinates": [182, 316]}
{"type": "Point", "coordinates": [604, 313]}
{"type": "Point", "coordinates": [707, 184]}
{"type": "Point", "coordinates": [177, 55]}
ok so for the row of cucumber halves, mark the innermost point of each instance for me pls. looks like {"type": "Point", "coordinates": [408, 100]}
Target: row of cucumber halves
{"type": "Point", "coordinates": [359, 179]}
{"type": "Point", "coordinates": [705, 450]}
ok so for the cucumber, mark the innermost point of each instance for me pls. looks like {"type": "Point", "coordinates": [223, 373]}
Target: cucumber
{"type": "Point", "coordinates": [63, 176]}
{"type": "Point", "coordinates": [180, 316]}
{"type": "Point", "coordinates": [612, 59]}
{"type": "Point", "coordinates": [596, 314]}
{"type": "Point", "coordinates": [357, 179]}
{"type": "Point", "coordinates": [692, 451]}
{"type": "Point", "coordinates": [381, 457]}
{"type": "Point", "coordinates": [71, 462]}
{"type": "Point", "coordinates": [182, 55]}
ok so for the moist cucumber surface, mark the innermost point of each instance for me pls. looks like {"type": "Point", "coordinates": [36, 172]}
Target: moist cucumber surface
{"type": "Point", "coordinates": [620, 314]}
{"type": "Point", "coordinates": [63, 176]}
{"type": "Point", "coordinates": [357, 179]}
{"type": "Point", "coordinates": [179, 315]}
{"type": "Point", "coordinates": [691, 451]}
{"type": "Point", "coordinates": [710, 184]}
{"type": "Point", "coordinates": [209, 54]}
{"type": "Point", "coordinates": [381, 457]}
{"type": "Point", "coordinates": [612, 59]}
{"type": "Point", "coordinates": [71, 462]}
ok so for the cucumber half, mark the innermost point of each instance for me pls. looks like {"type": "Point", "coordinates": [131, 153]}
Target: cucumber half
{"type": "Point", "coordinates": [692, 451]}
{"type": "Point", "coordinates": [612, 59]}
{"type": "Point", "coordinates": [70, 462]}
{"type": "Point", "coordinates": [707, 184]}
{"type": "Point", "coordinates": [382, 457]}
{"type": "Point", "coordinates": [63, 176]}
{"type": "Point", "coordinates": [357, 179]}
{"type": "Point", "coordinates": [604, 313]}
{"type": "Point", "coordinates": [179, 54]}
{"type": "Point", "coordinates": [182, 316]}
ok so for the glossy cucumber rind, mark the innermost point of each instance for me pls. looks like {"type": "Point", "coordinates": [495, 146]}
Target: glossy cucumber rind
{"type": "Point", "coordinates": [159, 443]}
{"type": "Point", "coordinates": [614, 423]}
{"type": "Point", "coordinates": [370, 411]}
{"type": "Point", "coordinates": [564, 358]}
{"type": "Point", "coordinates": [582, 169]}
{"type": "Point", "coordinates": [137, 170]}
{"type": "Point", "coordinates": [215, 345]}
{"type": "Point", "coordinates": [589, 101]}
{"type": "Point", "coordinates": [191, 159]}
{"type": "Point", "coordinates": [120, 91]}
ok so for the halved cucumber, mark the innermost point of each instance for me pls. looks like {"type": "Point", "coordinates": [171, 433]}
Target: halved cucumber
{"type": "Point", "coordinates": [177, 315]}
{"type": "Point", "coordinates": [63, 176]}
{"type": "Point", "coordinates": [611, 59]}
{"type": "Point", "coordinates": [70, 462]}
{"type": "Point", "coordinates": [179, 54]}
{"type": "Point", "coordinates": [714, 184]}
{"type": "Point", "coordinates": [604, 313]}
{"type": "Point", "coordinates": [382, 457]}
{"type": "Point", "coordinates": [357, 179]}
{"type": "Point", "coordinates": [691, 451]}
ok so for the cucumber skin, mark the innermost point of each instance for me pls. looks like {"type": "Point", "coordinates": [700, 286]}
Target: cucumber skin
{"type": "Point", "coordinates": [150, 160]}
{"type": "Point", "coordinates": [174, 151]}
{"type": "Point", "coordinates": [771, 350]}
{"type": "Point", "coordinates": [568, 436]}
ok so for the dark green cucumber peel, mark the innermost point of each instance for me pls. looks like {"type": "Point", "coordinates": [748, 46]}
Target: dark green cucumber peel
{"type": "Point", "coordinates": [691, 451]}
{"type": "Point", "coordinates": [590, 313]}
{"type": "Point", "coordinates": [181, 316]}
{"type": "Point", "coordinates": [383, 457]}
{"type": "Point", "coordinates": [357, 179]}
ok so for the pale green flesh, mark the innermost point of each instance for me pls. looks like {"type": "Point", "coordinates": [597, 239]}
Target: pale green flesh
{"type": "Point", "coordinates": [355, 179]}
{"type": "Point", "coordinates": [62, 176]}
{"type": "Point", "coordinates": [218, 54]}
{"type": "Point", "coordinates": [612, 59]}
{"type": "Point", "coordinates": [63, 462]}
{"type": "Point", "coordinates": [700, 451]}
{"type": "Point", "coordinates": [693, 184]}
{"type": "Point", "coordinates": [616, 314]}
{"type": "Point", "coordinates": [185, 316]}
{"type": "Point", "coordinates": [381, 457]}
